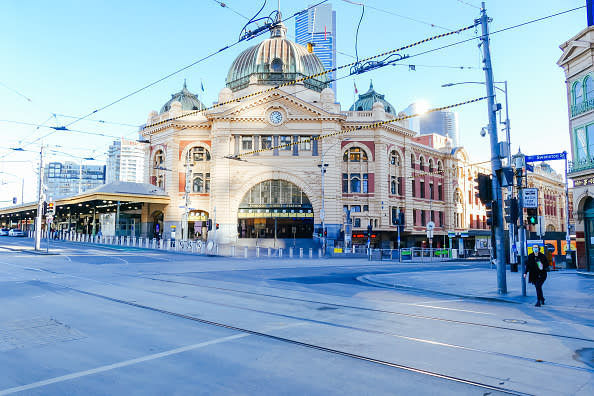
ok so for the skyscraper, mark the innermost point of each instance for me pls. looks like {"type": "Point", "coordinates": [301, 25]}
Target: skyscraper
{"type": "Point", "coordinates": [125, 161]}
{"type": "Point", "coordinates": [443, 123]}
{"type": "Point", "coordinates": [318, 26]}
{"type": "Point", "coordinates": [70, 178]}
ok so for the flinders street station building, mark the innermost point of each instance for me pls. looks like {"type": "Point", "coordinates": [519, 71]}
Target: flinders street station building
{"type": "Point", "coordinates": [266, 165]}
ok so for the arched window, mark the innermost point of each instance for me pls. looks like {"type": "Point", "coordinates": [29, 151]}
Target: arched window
{"type": "Point", "coordinates": [198, 185]}
{"type": "Point", "coordinates": [421, 163]}
{"type": "Point", "coordinates": [355, 154]}
{"type": "Point", "coordinates": [439, 167]}
{"type": "Point", "coordinates": [578, 93]}
{"type": "Point", "coordinates": [355, 183]}
{"type": "Point", "coordinates": [157, 173]}
{"type": "Point", "coordinates": [412, 161]}
{"type": "Point", "coordinates": [394, 158]}
{"type": "Point", "coordinates": [276, 66]}
{"type": "Point", "coordinates": [430, 165]}
{"type": "Point", "coordinates": [198, 154]}
{"type": "Point", "coordinates": [393, 185]}
{"type": "Point", "coordinates": [159, 159]}
{"type": "Point", "coordinates": [589, 84]}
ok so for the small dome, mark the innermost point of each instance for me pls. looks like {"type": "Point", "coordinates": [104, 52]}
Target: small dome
{"type": "Point", "coordinates": [188, 101]}
{"type": "Point", "coordinates": [366, 101]}
{"type": "Point", "coordinates": [275, 61]}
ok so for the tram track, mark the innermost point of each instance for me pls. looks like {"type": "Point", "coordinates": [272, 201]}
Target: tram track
{"type": "Point", "coordinates": [375, 310]}
{"type": "Point", "coordinates": [322, 348]}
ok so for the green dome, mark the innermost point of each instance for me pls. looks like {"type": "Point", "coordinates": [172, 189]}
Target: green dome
{"type": "Point", "coordinates": [366, 101]}
{"type": "Point", "coordinates": [275, 61]}
{"type": "Point", "coordinates": [188, 100]}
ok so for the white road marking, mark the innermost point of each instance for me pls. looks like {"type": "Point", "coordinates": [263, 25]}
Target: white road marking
{"type": "Point", "coordinates": [101, 369]}
{"type": "Point", "coordinates": [452, 309]}
{"type": "Point", "coordinates": [125, 363]}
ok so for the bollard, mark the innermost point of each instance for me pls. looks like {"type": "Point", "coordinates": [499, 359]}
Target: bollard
{"type": "Point", "coordinates": [280, 252]}
{"type": "Point", "coordinates": [268, 252]}
{"type": "Point", "coordinates": [310, 252]}
{"type": "Point", "coordinates": [232, 251]}
{"type": "Point", "coordinates": [300, 252]}
{"type": "Point", "coordinates": [291, 252]}
{"type": "Point", "coordinates": [319, 252]}
{"type": "Point", "coordinates": [128, 241]}
{"type": "Point", "coordinates": [245, 252]}
{"type": "Point", "coordinates": [257, 251]}
{"type": "Point", "coordinates": [168, 244]}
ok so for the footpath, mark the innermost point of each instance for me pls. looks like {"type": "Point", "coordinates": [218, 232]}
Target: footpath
{"type": "Point", "coordinates": [567, 288]}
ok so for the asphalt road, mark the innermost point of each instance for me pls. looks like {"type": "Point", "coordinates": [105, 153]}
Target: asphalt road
{"type": "Point", "coordinates": [104, 321]}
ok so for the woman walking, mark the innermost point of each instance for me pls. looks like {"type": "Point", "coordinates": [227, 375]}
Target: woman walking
{"type": "Point", "coordinates": [537, 268]}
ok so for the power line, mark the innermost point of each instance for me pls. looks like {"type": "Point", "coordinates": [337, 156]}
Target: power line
{"type": "Point", "coordinates": [302, 79]}
{"type": "Point", "coordinates": [468, 4]}
{"type": "Point", "coordinates": [180, 70]}
{"type": "Point", "coordinates": [224, 5]}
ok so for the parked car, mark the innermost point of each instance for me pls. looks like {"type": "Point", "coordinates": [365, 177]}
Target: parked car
{"type": "Point", "coordinates": [4, 231]}
{"type": "Point", "coordinates": [17, 233]}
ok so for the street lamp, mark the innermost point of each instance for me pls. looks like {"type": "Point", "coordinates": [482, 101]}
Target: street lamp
{"type": "Point", "coordinates": [510, 188]}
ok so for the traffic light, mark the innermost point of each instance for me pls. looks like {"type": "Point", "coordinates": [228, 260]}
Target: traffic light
{"type": "Point", "coordinates": [325, 233]}
{"type": "Point", "coordinates": [217, 226]}
{"type": "Point", "coordinates": [50, 209]}
{"type": "Point", "coordinates": [14, 201]}
{"type": "Point", "coordinates": [491, 208]}
{"type": "Point", "coordinates": [484, 188]}
{"type": "Point", "coordinates": [369, 229]}
{"type": "Point", "coordinates": [511, 210]}
{"type": "Point", "coordinates": [44, 207]}
{"type": "Point", "coordinates": [532, 215]}
{"type": "Point", "coordinates": [209, 224]}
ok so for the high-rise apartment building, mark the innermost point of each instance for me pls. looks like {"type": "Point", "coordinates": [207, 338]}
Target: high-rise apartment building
{"type": "Point", "coordinates": [125, 161]}
{"type": "Point", "coordinates": [318, 26]}
{"type": "Point", "coordinates": [444, 123]}
{"type": "Point", "coordinates": [70, 178]}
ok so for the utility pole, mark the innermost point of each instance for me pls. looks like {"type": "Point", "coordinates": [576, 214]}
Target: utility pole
{"type": "Point", "coordinates": [495, 156]}
{"type": "Point", "coordinates": [39, 203]}
{"type": "Point", "coordinates": [520, 164]}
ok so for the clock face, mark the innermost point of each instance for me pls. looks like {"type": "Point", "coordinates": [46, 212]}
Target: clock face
{"type": "Point", "coordinates": [276, 117]}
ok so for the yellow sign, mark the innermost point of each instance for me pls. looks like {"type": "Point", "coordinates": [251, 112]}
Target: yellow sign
{"type": "Point", "coordinates": [337, 250]}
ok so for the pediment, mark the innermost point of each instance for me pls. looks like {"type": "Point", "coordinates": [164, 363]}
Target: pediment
{"type": "Point", "coordinates": [573, 50]}
{"type": "Point", "coordinates": [255, 109]}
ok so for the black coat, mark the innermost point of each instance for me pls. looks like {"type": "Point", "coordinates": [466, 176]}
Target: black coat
{"type": "Point", "coordinates": [534, 273]}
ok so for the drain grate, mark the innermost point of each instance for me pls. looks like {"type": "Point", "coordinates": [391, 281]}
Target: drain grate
{"type": "Point", "coordinates": [33, 332]}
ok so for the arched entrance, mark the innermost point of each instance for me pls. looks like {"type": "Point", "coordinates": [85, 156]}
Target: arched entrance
{"type": "Point", "coordinates": [589, 232]}
{"type": "Point", "coordinates": [197, 228]}
{"type": "Point", "coordinates": [157, 224]}
{"type": "Point", "coordinates": [275, 209]}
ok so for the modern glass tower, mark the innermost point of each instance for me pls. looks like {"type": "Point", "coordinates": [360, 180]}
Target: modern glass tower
{"type": "Point", "coordinates": [318, 26]}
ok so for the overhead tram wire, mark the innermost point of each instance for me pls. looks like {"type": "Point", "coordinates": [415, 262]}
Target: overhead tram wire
{"type": "Point", "coordinates": [183, 68]}
{"type": "Point", "coordinates": [224, 5]}
{"type": "Point", "coordinates": [289, 83]}
{"type": "Point", "coordinates": [358, 128]}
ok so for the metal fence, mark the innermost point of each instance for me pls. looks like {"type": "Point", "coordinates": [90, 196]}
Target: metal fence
{"type": "Point", "coordinates": [213, 249]}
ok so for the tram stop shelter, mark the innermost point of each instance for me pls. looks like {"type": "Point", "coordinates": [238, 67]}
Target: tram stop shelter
{"type": "Point", "coordinates": [118, 208]}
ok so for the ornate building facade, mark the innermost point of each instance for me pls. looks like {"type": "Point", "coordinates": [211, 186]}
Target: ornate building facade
{"type": "Point", "coordinates": [269, 163]}
{"type": "Point", "coordinates": [577, 63]}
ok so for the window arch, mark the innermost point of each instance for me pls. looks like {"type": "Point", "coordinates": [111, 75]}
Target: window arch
{"type": "Point", "coordinates": [198, 154]}
{"type": "Point", "coordinates": [198, 158]}
{"type": "Point", "coordinates": [578, 93]}
{"type": "Point", "coordinates": [430, 165]}
{"type": "Point", "coordinates": [198, 184]}
{"type": "Point", "coordinates": [421, 163]}
{"type": "Point", "coordinates": [157, 173]}
{"type": "Point", "coordinates": [439, 167]}
{"type": "Point", "coordinates": [395, 174]}
{"type": "Point", "coordinates": [589, 88]}
{"type": "Point", "coordinates": [412, 161]}
{"type": "Point", "coordinates": [355, 154]}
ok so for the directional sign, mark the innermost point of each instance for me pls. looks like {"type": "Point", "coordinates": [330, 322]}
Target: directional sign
{"type": "Point", "coordinates": [530, 198]}
{"type": "Point", "coordinates": [430, 226]}
{"type": "Point", "coordinates": [546, 157]}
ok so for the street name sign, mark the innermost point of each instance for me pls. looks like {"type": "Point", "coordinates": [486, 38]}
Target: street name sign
{"type": "Point", "coordinates": [530, 198]}
{"type": "Point", "coordinates": [546, 157]}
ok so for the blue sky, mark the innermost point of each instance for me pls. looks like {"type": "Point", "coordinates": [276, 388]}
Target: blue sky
{"type": "Point", "coordinates": [70, 58]}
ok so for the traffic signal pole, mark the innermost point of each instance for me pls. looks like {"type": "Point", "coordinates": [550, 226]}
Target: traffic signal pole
{"type": "Point", "coordinates": [39, 203]}
{"type": "Point", "coordinates": [495, 157]}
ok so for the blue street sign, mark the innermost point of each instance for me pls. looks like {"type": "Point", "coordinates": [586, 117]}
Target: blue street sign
{"type": "Point", "coordinates": [546, 157]}
{"type": "Point", "coordinates": [530, 168]}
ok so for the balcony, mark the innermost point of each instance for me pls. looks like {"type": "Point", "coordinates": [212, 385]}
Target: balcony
{"type": "Point", "coordinates": [580, 165]}
{"type": "Point", "coordinates": [580, 108]}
